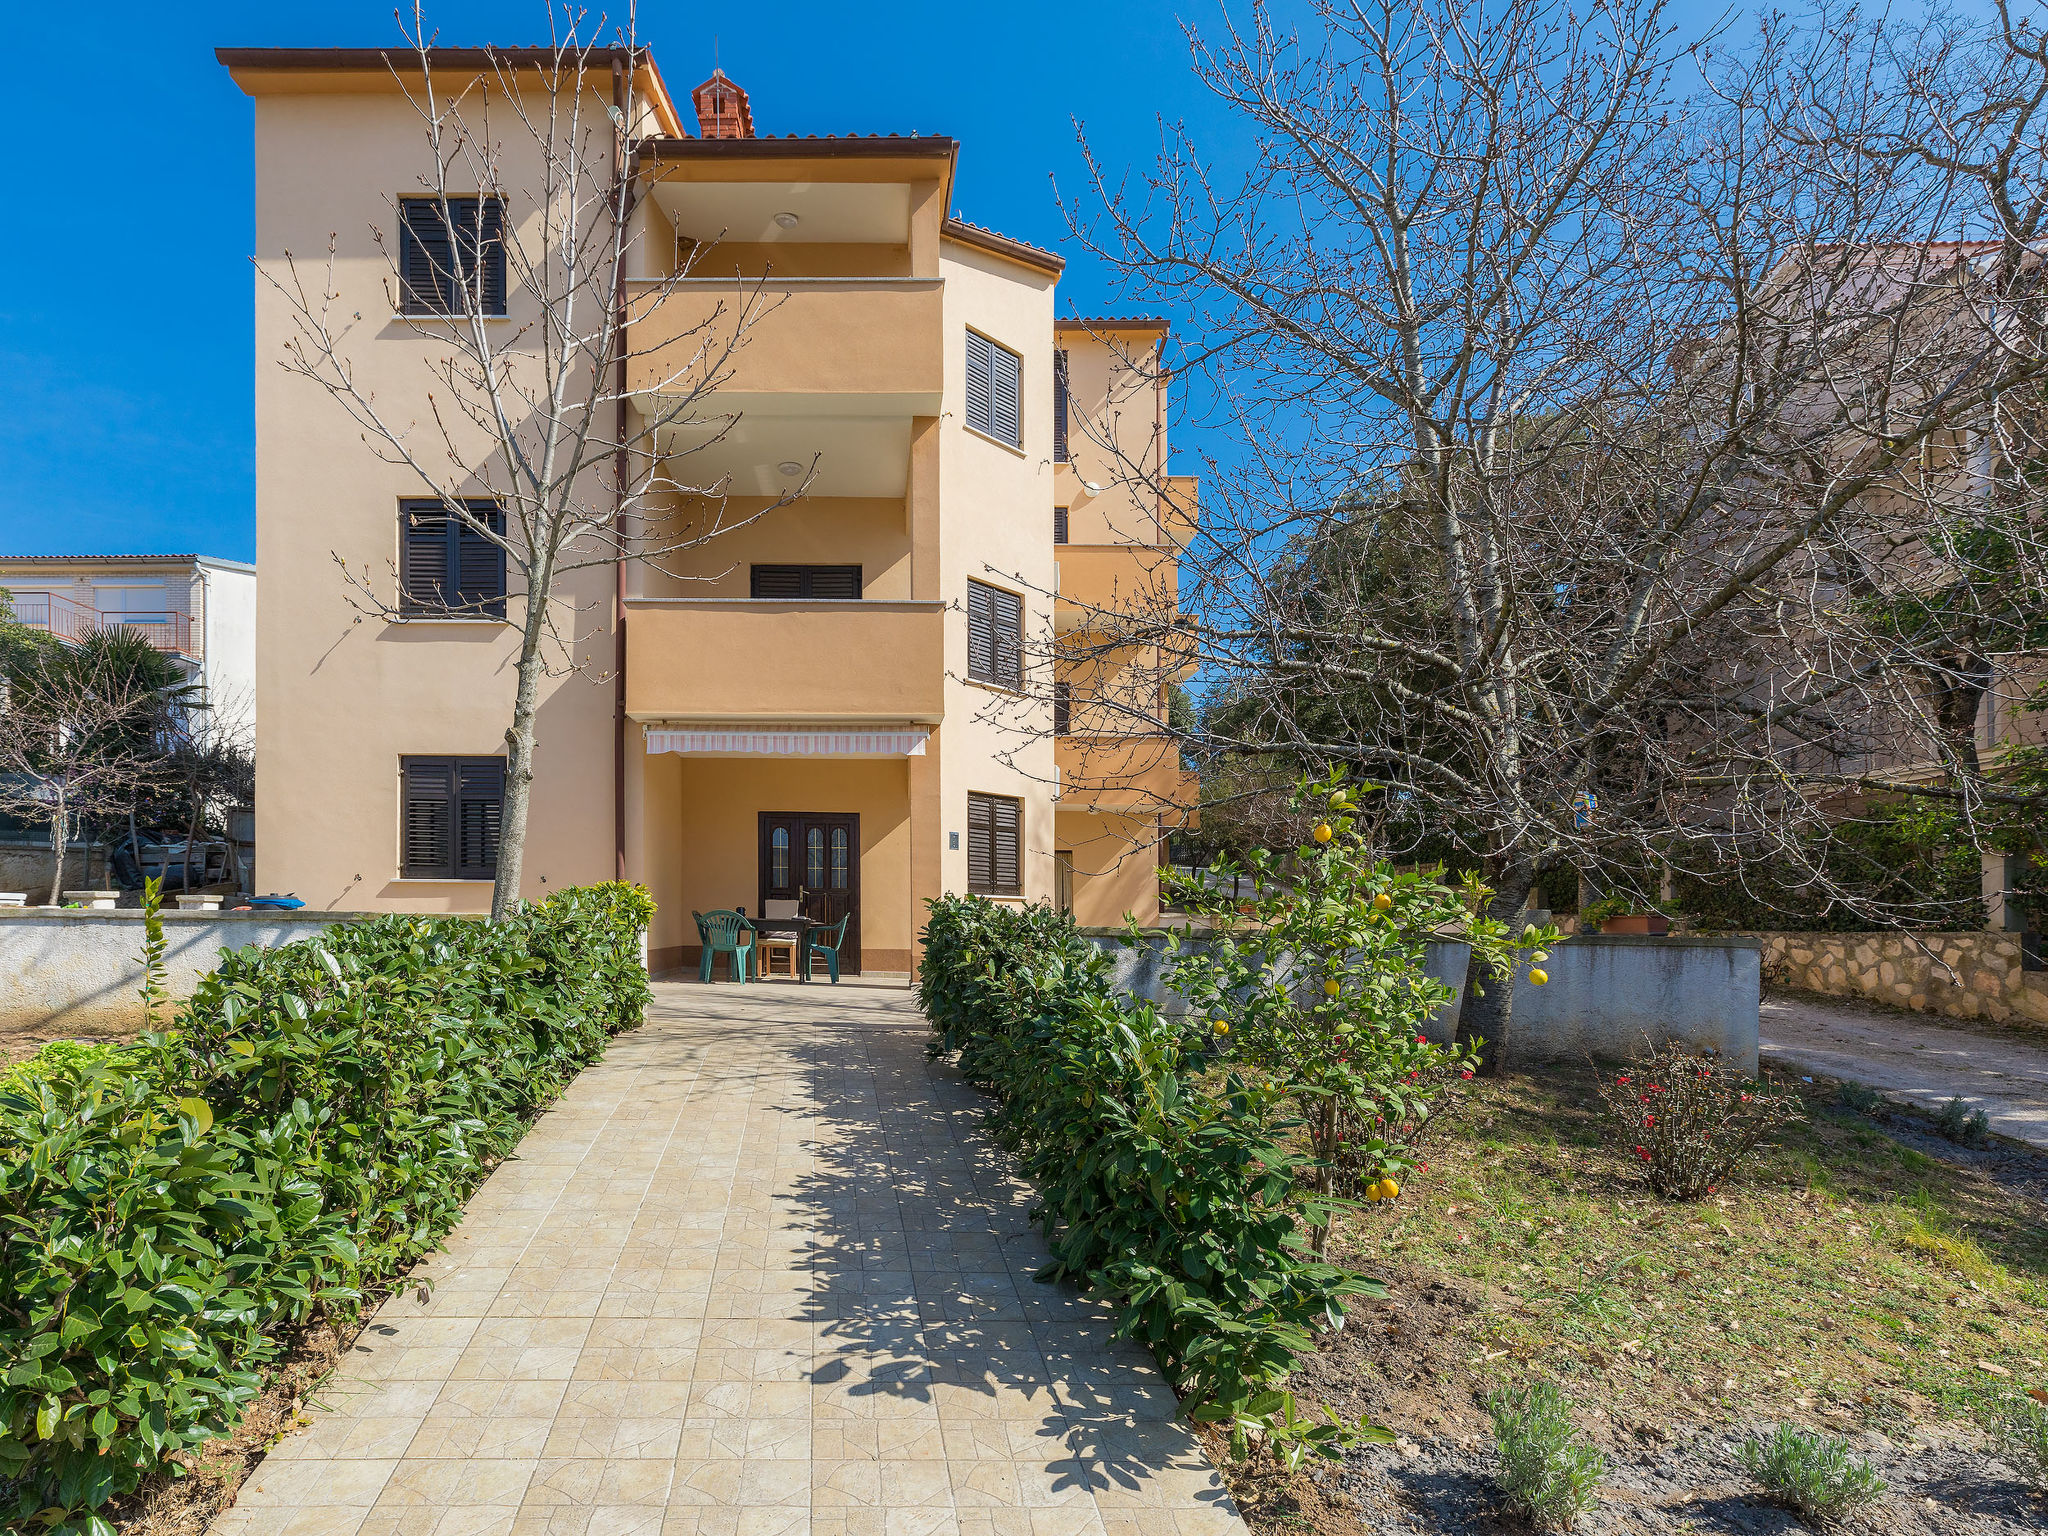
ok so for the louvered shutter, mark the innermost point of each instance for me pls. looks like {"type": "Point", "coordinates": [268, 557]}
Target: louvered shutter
{"type": "Point", "coordinates": [1059, 412]}
{"type": "Point", "coordinates": [981, 632]}
{"type": "Point", "coordinates": [1006, 839]}
{"type": "Point", "coordinates": [1059, 525]}
{"type": "Point", "coordinates": [1005, 397]}
{"type": "Point", "coordinates": [979, 353]}
{"type": "Point", "coordinates": [424, 528]}
{"type": "Point", "coordinates": [980, 844]}
{"type": "Point", "coordinates": [1062, 707]}
{"type": "Point", "coordinates": [426, 258]}
{"type": "Point", "coordinates": [427, 818]}
{"type": "Point", "coordinates": [493, 260]}
{"type": "Point", "coordinates": [1007, 638]}
{"type": "Point", "coordinates": [834, 583]}
{"type": "Point", "coordinates": [783, 583]}
{"type": "Point", "coordinates": [479, 563]}
{"type": "Point", "coordinates": [480, 785]}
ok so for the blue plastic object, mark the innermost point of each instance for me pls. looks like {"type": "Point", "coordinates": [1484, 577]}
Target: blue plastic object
{"type": "Point", "coordinates": [277, 903]}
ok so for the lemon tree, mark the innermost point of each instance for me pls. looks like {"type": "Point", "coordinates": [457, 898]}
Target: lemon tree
{"type": "Point", "coordinates": [1319, 982]}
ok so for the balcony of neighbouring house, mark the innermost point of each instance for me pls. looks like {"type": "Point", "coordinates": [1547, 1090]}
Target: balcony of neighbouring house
{"type": "Point", "coordinates": [1126, 774]}
{"type": "Point", "coordinates": [56, 615]}
{"type": "Point", "coordinates": [1140, 582]}
{"type": "Point", "coordinates": [739, 659]}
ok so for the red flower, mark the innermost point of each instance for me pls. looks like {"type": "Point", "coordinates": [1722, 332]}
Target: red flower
{"type": "Point", "coordinates": [1745, 1098]}
{"type": "Point", "coordinates": [1466, 1073]}
{"type": "Point", "coordinates": [1645, 1156]}
{"type": "Point", "coordinates": [1621, 1079]}
{"type": "Point", "coordinates": [1422, 1039]}
{"type": "Point", "coordinates": [1649, 1119]}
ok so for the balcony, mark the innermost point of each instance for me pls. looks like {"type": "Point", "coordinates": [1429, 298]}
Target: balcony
{"type": "Point", "coordinates": [1138, 775]}
{"type": "Point", "coordinates": [745, 659]}
{"type": "Point", "coordinates": [1140, 581]}
{"type": "Point", "coordinates": [872, 346]}
{"type": "Point", "coordinates": [69, 621]}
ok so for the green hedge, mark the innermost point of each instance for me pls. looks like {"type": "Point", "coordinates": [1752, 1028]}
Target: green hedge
{"type": "Point", "coordinates": [311, 1127]}
{"type": "Point", "coordinates": [1166, 1186]}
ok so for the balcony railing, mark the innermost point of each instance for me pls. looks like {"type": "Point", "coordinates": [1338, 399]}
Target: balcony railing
{"type": "Point", "coordinates": [70, 621]}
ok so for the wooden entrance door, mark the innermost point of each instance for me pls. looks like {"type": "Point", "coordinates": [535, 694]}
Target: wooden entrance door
{"type": "Point", "coordinates": [813, 858]}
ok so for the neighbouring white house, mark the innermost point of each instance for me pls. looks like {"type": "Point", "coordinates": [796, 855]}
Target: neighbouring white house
{"type": "Point", "coordinates": [199, 610]}
{"type": "Point", "coordinates": [196, 609]}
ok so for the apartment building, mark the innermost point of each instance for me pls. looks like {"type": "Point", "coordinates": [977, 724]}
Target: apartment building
{"type": "Point", "coordinates": [847, 701]}
{"type": "Point", "coordinates": [198, 610]}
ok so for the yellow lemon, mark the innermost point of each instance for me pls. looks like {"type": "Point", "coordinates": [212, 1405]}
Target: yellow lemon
{"type": "Point", "coordinates": [1221, 1027]}
{"type": "Point", "coordinates": [1323, 834]}
{"type": "Point", "coordinates": [1332, 987]}
{"type": "Point", "coordinates": [1383, 902]}
{"type": "Point", "coordinates": [1538, 976]}
{"type": "Point", "coordinates": [1372, 1191]}
{"type": "Point", "coordinates": [1392, 1189]}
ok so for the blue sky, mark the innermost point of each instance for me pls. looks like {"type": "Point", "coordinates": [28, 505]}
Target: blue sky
{"type": "Point", "coordinates": [126, 370]}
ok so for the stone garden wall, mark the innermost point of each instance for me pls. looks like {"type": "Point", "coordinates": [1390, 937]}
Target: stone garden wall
{"type": "Point", "coordinates": [1963, 975]}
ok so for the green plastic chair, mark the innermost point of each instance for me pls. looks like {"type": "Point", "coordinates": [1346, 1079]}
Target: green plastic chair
{"type": "Point", "coordinates": [730, 934]}
{"type": "Point", "coordinates": [817, 945]}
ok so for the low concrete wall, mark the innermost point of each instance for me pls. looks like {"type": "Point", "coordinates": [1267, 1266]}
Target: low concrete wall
{"type": "Point", "coordinates": [84, 968]}
{"type": "Point", "coordinates": [1963, 975]}
{"type": "Point", "coordinates": [1607, 994]}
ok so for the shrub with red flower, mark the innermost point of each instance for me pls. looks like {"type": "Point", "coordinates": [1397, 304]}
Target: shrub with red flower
{"type": "Point", "coordinates": [1707, 1118]}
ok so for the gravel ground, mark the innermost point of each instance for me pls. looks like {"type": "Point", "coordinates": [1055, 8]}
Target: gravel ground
{"type": "Point", "coordinates": [1683, 1478]}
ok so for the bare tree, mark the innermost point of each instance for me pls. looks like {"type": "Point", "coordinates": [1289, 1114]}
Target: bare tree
{"type": "Point", "coordinates": [559, 437]}
{"type": "Point", "coordinates": [85, 732]}
{"type": "Point", "coordinates": [1600, 457]}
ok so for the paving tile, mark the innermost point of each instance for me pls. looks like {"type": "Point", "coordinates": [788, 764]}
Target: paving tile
{"type": "Point", "coordinates": [758, 1273]}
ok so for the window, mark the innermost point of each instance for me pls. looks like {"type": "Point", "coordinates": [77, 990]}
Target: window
{"type": "Point", "coordinates": [1062, 708]}
{"type": "Point", "coordinates": [1059, 525]}
{"type": "Point", "coordinates": [1059, 408]}
{"type": "Point", "coordinates": [995, 635]}
{"type": "Point", "coordinates": [993, 380]}
{"type": "Point", "coordinates": [994, 837]}
{"type": "Point", "coordinates": [449, 817]}
{"type": "Point", "coordinates": [446, 564]}
{"type": "Point", "coordinates": [791, 583]}
{"type": "Point", "coordinates": [443, 271]}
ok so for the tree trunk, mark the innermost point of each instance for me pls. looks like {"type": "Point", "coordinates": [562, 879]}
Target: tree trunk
{"type": "Point", "coordinates": [191, 836]}
{"type": "Point", "coordinates": [1487, 1016]}
{"type": "Point", "coordinates": [57, 831]}
{"type": "Point", "coordinates": [519, 760]}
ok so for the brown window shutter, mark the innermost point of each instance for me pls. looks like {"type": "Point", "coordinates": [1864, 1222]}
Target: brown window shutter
{"type": "Point", "coordinates": [1059, 410]}
{"type": "Point", "coordinates": [1059, 525]}
{"type": "Point", "coordinates": [427, 817]}
{"type": "Point", "coordinates": [480, 790]}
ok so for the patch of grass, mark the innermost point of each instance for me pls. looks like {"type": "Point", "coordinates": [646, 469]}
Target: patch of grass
{"type": "Point", "coordinates": [1549, 1474]}
{"type": "Point", "coordinates": [1812, 1474]}
{"type": "Point", "coordinates": [1845, 1280]}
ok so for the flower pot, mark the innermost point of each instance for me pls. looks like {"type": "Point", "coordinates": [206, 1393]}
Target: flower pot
{"type": "Point", "coordinates": [99, 901]}
{"type": "Point", "coordinates": [1654, 923]}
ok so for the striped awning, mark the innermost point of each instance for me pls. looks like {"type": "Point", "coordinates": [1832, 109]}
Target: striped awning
{"type": "Point", "coordinates": [772, 742]}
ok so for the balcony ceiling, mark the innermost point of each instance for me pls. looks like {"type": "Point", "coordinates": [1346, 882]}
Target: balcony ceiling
{"type": "Point", "coordinates": [848, 213]}
{"type": "Point", "coordinates": [857, 454]}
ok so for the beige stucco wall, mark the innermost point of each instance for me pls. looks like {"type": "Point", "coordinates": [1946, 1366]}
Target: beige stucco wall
{"type": "Point", "coordinates": [1116, 867]}
{"type": "Point", "coordinates": [1963, 975]}
{"type": "Point", "coordinates": [705, 853]}
{"type": "Point", "coordinates": [996, 527]}
{"type": "Point", "coordinates": [340, 696]}
{"type": "Point", "coordinates": [870, 532]}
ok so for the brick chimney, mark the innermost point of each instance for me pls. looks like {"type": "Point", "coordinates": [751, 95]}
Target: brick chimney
{"type": "Point", "coordinates": [722, 110]}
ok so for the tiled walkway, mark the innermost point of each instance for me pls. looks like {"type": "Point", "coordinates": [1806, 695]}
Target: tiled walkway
{"type": "Point", "coordinates": [758, 1274]}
